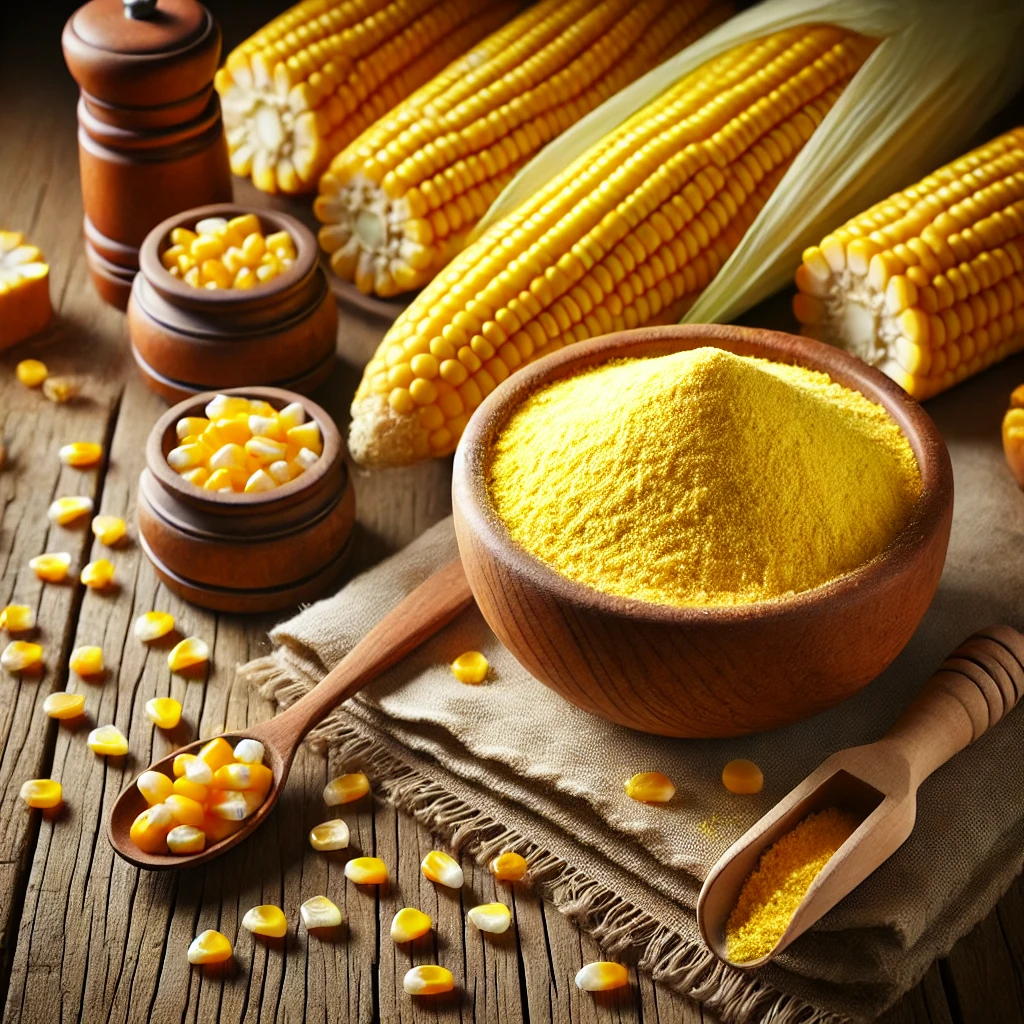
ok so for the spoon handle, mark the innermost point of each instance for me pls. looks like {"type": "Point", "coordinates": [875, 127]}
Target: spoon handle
{"type": "Point", "coordinates": [429, 608]}
{"type": "Point", "coordinates": [978, 684]}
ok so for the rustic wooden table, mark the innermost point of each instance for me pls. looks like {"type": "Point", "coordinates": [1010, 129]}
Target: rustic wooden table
{"type": "Point", "coordinates": [85, 937]}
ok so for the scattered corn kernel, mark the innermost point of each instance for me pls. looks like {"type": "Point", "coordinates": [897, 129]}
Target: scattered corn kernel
{"type": "Point", "coordinates": [257, 777]}
{"type": "Point", "coordinates": [17, 618]}
{"type": "Point", "coordinates": [409, 924]}
{"type": "Point", "coordinates": [331, 835]}
{"type": "Point", "coordinates": [234, 805]}
{"type": "Point", "coordinates": [67, 510]}
{"type": "Point", "coordinates": [183, 839]}
{"type": "Point", "coordinates": [470, 667]}
{"type": "Point", "coordinates": [601, 976]}
{"type": "Point", "coordinates": [185, 810]}
{"type": "Point", "coordinates": [198, 771]}
{"type": "Point", "coordinates": [108, 741]}
{"type": "Point", "coordinates": [249, 752]}
{"type": "Point", "coordinates": [64, 705]}
{"type": "Point", "coordinates": [188, 652]}
{"type": "Point", "coordinates": [319, 912]}
{"type": "Point", "coordinates": [52, 567]}
{"type": "Point", "coordinates": [742, 776]}
{"type": "Point", "coordinates": [108, 530]}
{"type": "Point", "coordinates": [346, 788]}
{"type": "Point", "coordinates": [155, 787]}
{"type": "Point", "coordinates": [366, 871]}
{"type": "Point", "coordinates": [509, 867]}
{"type": "Point", "coordinates": [184, 786]}
{"type": "Point", "coordinates": [443, 868]}
{"type": "Point", "coordinates": [163, 712]}
{"type": "Point", "coordinates": [98, 575]}
{"type": "Point", "coordinates": [81, 454]}
{"type": "Point", "coordinates": [181, 762]}
{"type": "Point", "coordinates": [428, 980]}
{"type": "Point", "coordinates": [150, 828]}
{"type": "Point", "coordinates": [20, 656]}
{"type": "Point", "coordinates": [650, 788]}
{"type": "Point", "coordinates": [266, 920]}
{"type": "Point", "coordinates": [491, 917]}
{"type": "Point", "coordinates": [60, 389]}
{"type": "Point", "coordinates": [31, 372]}
{"type": "Point", "coordinates": [209, 947]}
{"type": "Point", "coordinates": [217, 753]}
{"type": "Point", "coordinates": [87, 661]}
{"type": "Point", "coordinates": [43, 793]}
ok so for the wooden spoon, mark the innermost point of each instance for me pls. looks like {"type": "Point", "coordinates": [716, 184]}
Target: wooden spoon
{"type": "Point", "coordinates": [430, 607]}
{"type": "Point", "coordinates": [981, 681]}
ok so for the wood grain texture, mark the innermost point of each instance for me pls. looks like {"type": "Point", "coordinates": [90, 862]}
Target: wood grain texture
{"type": "Point", "coordinates": [85, 938]}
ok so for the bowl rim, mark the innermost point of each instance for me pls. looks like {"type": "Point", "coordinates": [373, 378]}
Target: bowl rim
{"type": "Point", "coordinates": [156, 457]}
{"type": "Point", "coordinates": [471, 498]}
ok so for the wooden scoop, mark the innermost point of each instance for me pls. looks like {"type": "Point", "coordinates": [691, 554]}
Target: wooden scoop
{"type": "Point", "coordinates": [981, 681]}
{"type": "Point", "coordinates": [430, 607]}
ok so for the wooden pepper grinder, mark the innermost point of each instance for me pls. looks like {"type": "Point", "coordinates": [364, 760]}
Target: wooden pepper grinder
{"type": "Point", "coordinates": [150, 135]}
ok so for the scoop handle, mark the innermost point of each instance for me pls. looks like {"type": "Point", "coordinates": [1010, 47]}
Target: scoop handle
{"type": "Point", "coordinates": [979, 683]}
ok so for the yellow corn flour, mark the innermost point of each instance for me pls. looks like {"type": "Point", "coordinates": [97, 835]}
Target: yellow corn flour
{"type": "Point", "coordinates": [702, 478]}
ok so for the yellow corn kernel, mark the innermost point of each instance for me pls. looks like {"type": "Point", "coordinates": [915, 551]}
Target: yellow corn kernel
{"type": "Point", "coordinates": [21, 656]}
{"type": "Point", "coordinates": [307, 435]}
{"type": "Point", "coordinates": [107, 741]}
{"type": "Point", "coordinates": [183, 839]}
{"type": "Point", "coordinates": [410, 924]}
{"type": "Point", "coordinates": [346, 788]}
{"type": "Point", "coordinates": [209, 947]}
{"type": "Point", "coordinates": [650, 788]}
{"type": "Point", "coordinates": [428, 980]}
{"type": "Point", "coordinates": [742, 776]}
{"type": "Point", "coordinates": [43, 793]}
{"type": "Point", "coordinates": [190, 426]}
{"type": "Point", "coordinates": [213, 227]}
{"type": "Point", "coordinates": [331, 835]}
{"type": "Point", "coordinates": [260, 482]}
{"type": "Point", "coordinates": [31, 372]}
{"type": "Point", "coordinates": [184, 786]}
{"type": "Point", "coordinates": [282, 472]}
{"type": "Point", "coordinates": [366, 871]}
{"type": "Point", "coordinates": [213, 272]}
{"type": "Point", "coordinates": [204, 250]}
{"type": "Point", "coordinates": [442, 868]}
{"type": "Point", "coordinates": [491, 917]}
{"type": "Point", "coordinates": [98, 575]}
{"type": "Point", "coordinates": [181, 762]}
{"type": "Point", "coordinates": [470, 667]}
{"type": "Point", "coordinates": [87, 661]}
{"type": "Point", "coordinates": [186, 653]}
{"type": "Point", "coordinates": [217, 753]}
{"type": "Point", "coordinates": [509, 867]}
{"type": "Point", "coordinates": [197, 476]}
{"type": "Point", "coordinates": [601, 976]}
{"type": "Point", "coordinates": [266, 272]}
{"type": "Point", "coordinates": [220, 480]}
{"type": "Point", "coordinates": [67, 510]}
{"type": "Point", "coordinates": [64, 705]}
{"type": "Point", "coordinates": [182, 236]}
{"type": "Point", "coordinates": [163, 712]}
{"type": "Point", "coordinates": [153, 625]}
{"type": "Point", "coordinates": [246, 278]}
{"type": "Point", "coordinates": [52, 567]}
{"type": "Point", "coordinates": [185, 810]}
{"type": "Point", "coordinates": [234, 805]}
{"type": "Point", "coordinates": [17, 618]}
{"type": "Point", "coordinates": [150, 828]}
{"type": "Point", "coordinates": [257, 777]}
{"type": "Point", "coordinates": [319, 912]}
{"type": "Point", "coordinates": [232, 430]}
{"type": "Point", "coordinates": [304, 459]}
{"type": "Point", "coordinates": [291, 416]}
{"type": "Point", "coordinates": [188, 456]}
{"type": "Point", "coordinates": [198, 771]}
{"type": "Point", "coordinates": [226, 406]}
{"type": "Point", "coordinates": [80, 454]}
{"type": "Point", "coordinates": [217, 829]}
{"type": "Point", "coordinates": [266, 920]}
{"type": "Point", "coordinates": [266, 450]}
{"type": "Point", "coordinates": [249, 751]}
{"type": "Point", "coordinates": [280, 242]}
{"type": "Point", "coordinates": [245, 224]}
{"type": "Point", "coordinates": [108, 530]}
{"type": "Point", "coordinates": [155, 787]}
{"type": "Point", "coordinates": [266, 426]}
{"type": "Point", "coordinates": [60, 389]}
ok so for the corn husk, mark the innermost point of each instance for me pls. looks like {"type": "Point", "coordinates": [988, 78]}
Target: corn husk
{"type": "Point", "coordinates": [942, 70]}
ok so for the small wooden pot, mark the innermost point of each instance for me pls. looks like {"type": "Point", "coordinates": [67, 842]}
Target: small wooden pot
{"type": "Point", "coordinates": [703, 671]}
{"type": "Point", "coordinates": [187, 340]}
{"type": "Point", "coordinates": [246, 552]}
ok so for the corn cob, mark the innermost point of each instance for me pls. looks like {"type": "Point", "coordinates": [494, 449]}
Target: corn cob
{"type": "Point", "coordinates": [927, 285]}
{"type": "Point", "coordinates": [305, 85]}
{"type": "Point", "coordinates": [398, 203]}
{"type": "Point", "coordinates": [627, 235]}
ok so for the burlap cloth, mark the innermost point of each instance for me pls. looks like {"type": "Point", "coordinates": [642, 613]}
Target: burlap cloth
{"type": "Point", "coordinates": [508, 763]}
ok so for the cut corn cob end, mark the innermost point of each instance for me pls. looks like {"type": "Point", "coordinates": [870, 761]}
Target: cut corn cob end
{"type": "Point", "coordinates": [267, 920]}
{"type": "Point", "coordinates": [495, 918]}
{"type": "Point", "coordinates": [187, 654]}
{"type": "Point", "coordinates": [366, 871]}
{"type": "Point", "coordinates": [64, 706]}
{"type": "Point", "coordinates": [650, 788]}
{"type": "Point", "coordinates": [41, 793]}
{"type": "Point", "coordinates": [320, 912]}
{"type": "Point", "coordinates": [410, 924]}
{"type": "Point", "coordinates": [509, 867]}
{"type": "Point", "coordinates": [87, 661]}
{"type": "Point", "coordinates": [601, 976]}
{"type": "Point", "coordinates": [21, 656]}
{"type": "Point", "coordinates": [209, 947]}
{"type": "Point", "coordinates": [330, 835]}
{"type": "Point", "coordinates": [346, 788]}
{"type": "Point", "coordinates": [153, 625]}
{"type": "Point", "coordinates": [428, 980]}
{"type": "Point", "coordinates": [927, 285]}
{"type": "Point", "coordinates": [24, 290]}
{"type": "Point", "coordinates": [163, 712]}
{"type": "Point", "coordinates": [443, 868]}
{"type": "Point", "coordinates": [17, 618]}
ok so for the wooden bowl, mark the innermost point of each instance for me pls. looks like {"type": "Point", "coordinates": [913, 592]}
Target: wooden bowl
{"type": "Point", "coordinates": [703, 671]}
{"type": "Point", "coordinates": [187, 340]}
{"type": "Point", "coordinates": [246, 552]}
